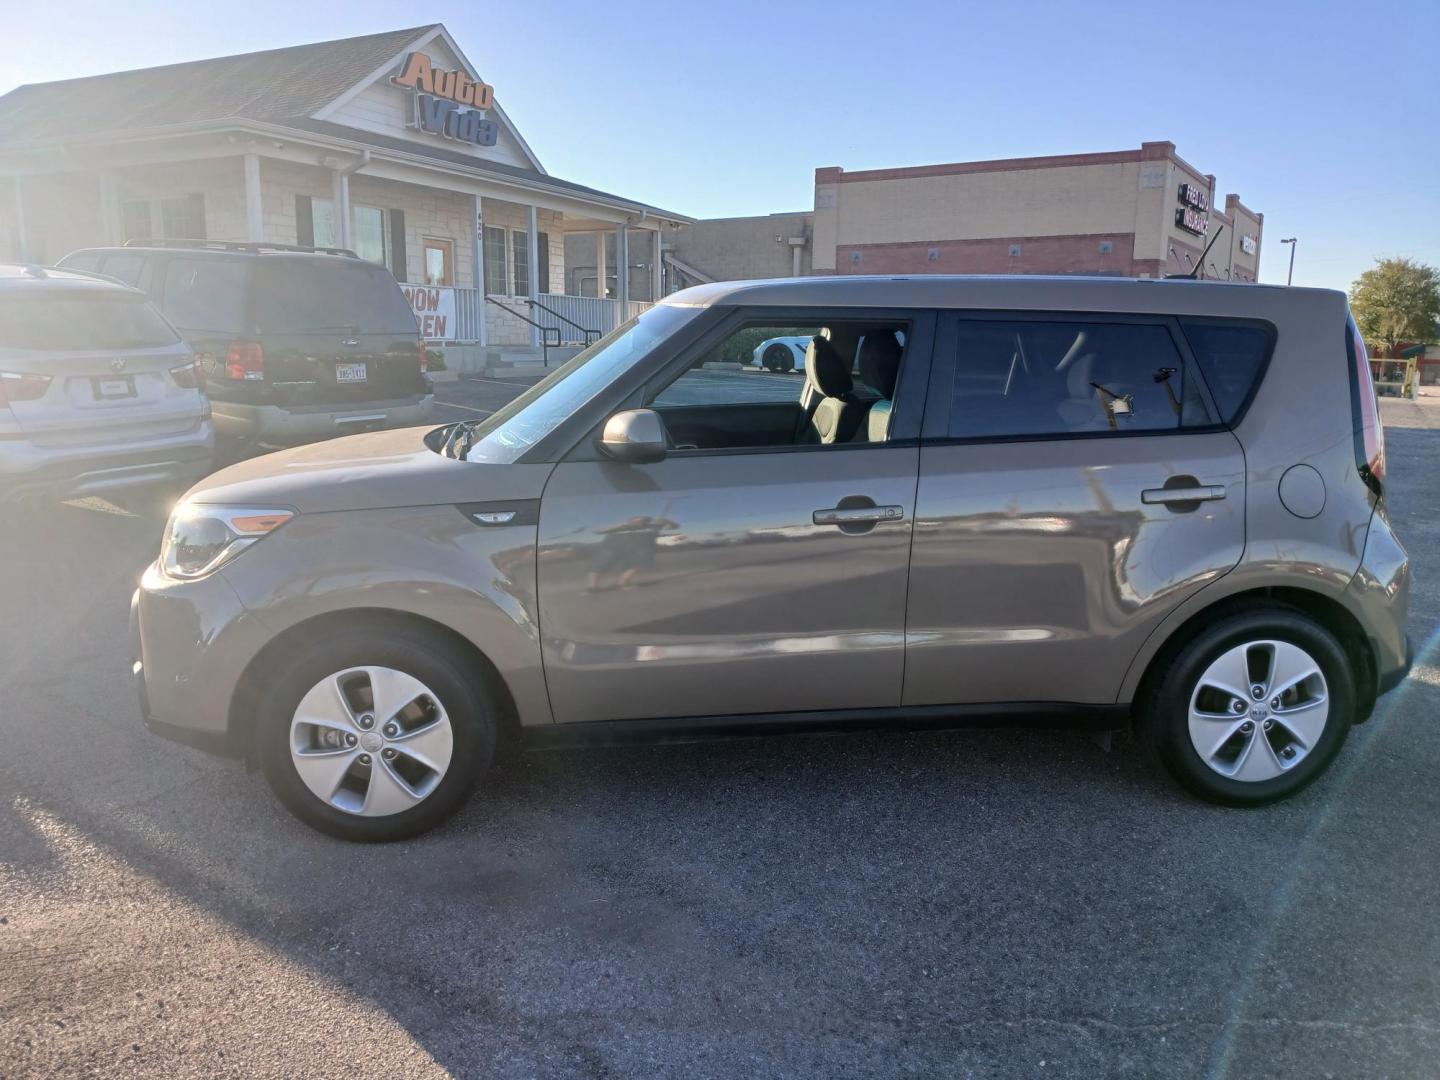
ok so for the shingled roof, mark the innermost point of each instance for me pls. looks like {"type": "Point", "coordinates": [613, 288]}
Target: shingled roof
{"type": "Point", "coordinates": [276, 85]}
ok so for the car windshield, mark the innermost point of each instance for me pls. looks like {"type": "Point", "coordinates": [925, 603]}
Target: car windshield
{"type": "Point", "coordinates": [502, 437]}
{"type": "Point", "coordinates": [82, 319]}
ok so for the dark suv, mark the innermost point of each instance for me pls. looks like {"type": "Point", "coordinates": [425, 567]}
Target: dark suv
{"type": "Point", "coordinates": [296, 343]}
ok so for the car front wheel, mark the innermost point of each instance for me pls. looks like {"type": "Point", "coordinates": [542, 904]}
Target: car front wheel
{"type": "Point", "coordinates": [1252, 709]}
{"type": "Point", "coordinates": [375, 737]}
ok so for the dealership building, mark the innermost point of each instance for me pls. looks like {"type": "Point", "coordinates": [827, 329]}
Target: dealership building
{"type": "Point", "coordinates": [1131, 213]}
{"type": "Point", "coordinates": [391, 145]}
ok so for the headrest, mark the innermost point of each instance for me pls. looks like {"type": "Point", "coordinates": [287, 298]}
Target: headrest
{"type": "Point", "coordinates": [827, 369]}
{"type": "Point", "coordinates": [880, 362]}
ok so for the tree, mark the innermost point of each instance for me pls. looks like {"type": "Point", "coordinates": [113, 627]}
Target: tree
{"type": "Point", "coordinates": [1396, 300]}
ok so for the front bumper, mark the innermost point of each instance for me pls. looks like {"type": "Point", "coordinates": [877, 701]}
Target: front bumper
{"type": "Point", "coordinates": [189, 644]}
{"type": "Point", "coordinates": [273, 424]}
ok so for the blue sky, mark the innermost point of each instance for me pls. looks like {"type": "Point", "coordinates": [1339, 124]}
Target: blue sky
{"type": "Point", "coordinates": [1324, 115]}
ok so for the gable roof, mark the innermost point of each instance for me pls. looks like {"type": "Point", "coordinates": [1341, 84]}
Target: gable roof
{"type": "Point", "coordinates": [276, 85]}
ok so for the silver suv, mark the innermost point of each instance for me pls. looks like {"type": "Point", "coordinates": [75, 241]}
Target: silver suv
{"type": "Point", "coordinates": [1093, 502]}
{"type": "Point", "coordinates": [98, 394]}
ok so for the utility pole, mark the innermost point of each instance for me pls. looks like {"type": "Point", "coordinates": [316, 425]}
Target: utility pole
{"type": "Point", "coordinates": [1291, 275]}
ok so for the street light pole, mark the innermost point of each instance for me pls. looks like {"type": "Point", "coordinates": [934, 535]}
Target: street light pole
{"type": "Point", "coordinates": [1291, 275]}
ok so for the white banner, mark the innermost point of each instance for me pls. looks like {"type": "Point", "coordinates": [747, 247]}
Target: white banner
{"type": "Point", "coordinates": [434, 309]}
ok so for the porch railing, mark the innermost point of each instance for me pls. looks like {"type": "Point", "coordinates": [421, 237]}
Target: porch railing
{"type": "Point", "coordinates": [568, 316]}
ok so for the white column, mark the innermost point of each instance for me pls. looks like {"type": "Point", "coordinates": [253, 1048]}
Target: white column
{"type": "Point", "coordinates": [477, 275]}
{"type": "Point", "coordinates": [340, 198]}
{"type": "Point", "coordinates": [532, 242]}
{"type": "Point", "coordinates": [22, 236]}
{"type": "Point", "coordinates": [622, 269]}
{"type": "Point", "coordinates": [657, 266]}
{"type": "Point", "coordinates": [111, 224]}
{"type": "Point", "coordinates": [599, 262]}
{"type": "Point", "coordinates": [254, 216]}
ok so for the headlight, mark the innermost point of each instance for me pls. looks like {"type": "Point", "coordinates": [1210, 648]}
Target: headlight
{"type": "Point", "coordinates": [200, 539]}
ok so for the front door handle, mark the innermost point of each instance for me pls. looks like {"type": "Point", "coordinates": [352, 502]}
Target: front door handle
{"type": "Point", "coordinates": [1189, 494]}
{"type": "Point", "coordinates": [858, 515]}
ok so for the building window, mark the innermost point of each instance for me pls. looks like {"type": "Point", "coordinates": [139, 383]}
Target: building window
{"type": "Point", "coordinates": [520, 282]}
{"type": "Point", "coordinates": [367, 230]}
{"type": "Point", "coordinates": [135, 219]}
{"type": "Point", "coordinates": [494, 259]}
{"type": "Point", "coordinates": [439, 257]}
{"type": "Point", "coordinates": [369, 234]}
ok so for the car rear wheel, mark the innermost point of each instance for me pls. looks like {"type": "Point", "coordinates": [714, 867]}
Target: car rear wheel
{"type": "Point", "coordinates": [778, 358]}
{"type": "Point", "coordinates": [375, 736]}
{"type": "Point", "coordinates": [1252, 709]}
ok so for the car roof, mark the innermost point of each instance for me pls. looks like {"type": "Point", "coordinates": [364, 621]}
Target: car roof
{"type": "Point", "coordinates": [1034, 292]}
{"type": "Point", "coordinates": [224, 249]}
{"type": "Point", "coordinates": [17, 277]}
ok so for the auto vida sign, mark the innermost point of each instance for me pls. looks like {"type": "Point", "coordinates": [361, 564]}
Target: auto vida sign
{"type": "Point", "coordinates": [448, 103]}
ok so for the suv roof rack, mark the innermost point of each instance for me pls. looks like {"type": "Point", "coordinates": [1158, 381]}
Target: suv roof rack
{"type": "Point", "coordinates": [254, 248]}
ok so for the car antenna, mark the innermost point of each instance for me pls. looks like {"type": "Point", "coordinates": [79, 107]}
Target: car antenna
{"type": "Point", "coordinates": [1201, 261]}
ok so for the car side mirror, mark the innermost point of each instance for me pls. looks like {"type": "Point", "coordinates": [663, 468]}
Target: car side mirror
{"type": "Point", "coordinates": [635, 437]}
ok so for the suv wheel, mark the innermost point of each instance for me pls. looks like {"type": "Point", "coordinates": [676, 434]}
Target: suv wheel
{"type": "Point", "coordinates": [1252, 709]}
{"type": "Point", "coordinates": [375, 736]}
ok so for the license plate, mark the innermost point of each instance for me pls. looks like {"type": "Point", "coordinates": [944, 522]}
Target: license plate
{"type": "Point", "coordinates": [349, 373]}
{"type": "Point", "coordinates": [106, 389]}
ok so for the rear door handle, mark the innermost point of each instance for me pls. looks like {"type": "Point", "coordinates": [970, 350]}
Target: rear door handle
{"type": "Point", "coordinates": [1170, 495]}
{"type": "Point", "coordinates": [858, 515]}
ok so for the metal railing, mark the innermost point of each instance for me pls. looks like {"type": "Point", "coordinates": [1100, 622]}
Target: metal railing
{"type": "Point", "coordinates": [587, 334]}
{"type": "Point", "coordinates": [546, 341]}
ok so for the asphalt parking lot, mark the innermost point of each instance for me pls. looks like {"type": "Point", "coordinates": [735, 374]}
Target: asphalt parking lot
{"type": "Point", "coordinates": [971, 903]}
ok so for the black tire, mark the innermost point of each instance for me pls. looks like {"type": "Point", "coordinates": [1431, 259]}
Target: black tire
{"type": "Point", "coordinates": [443, 668]}
{"type": "Point", "coordinates": [778, 358]}
{"type": "Point", "coordinates": [1162, 710]}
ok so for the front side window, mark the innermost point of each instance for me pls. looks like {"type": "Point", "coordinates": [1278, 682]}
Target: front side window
{"type": "Point", "coordinates": [505, 435]}
{"type": "Point", "coordinates": [62, 322]}
{"type": "Point", "coordinates": [1016, 379]}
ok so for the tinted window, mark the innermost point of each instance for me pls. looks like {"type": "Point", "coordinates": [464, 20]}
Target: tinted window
{"type": "Point", "coordinates": [1231, 357]}
{"type": "Point", "coordinates": [307, 295]}
{"type": "Point", "coordinates": [207, 295]}
{"type": "Point", "coordinates": [1061, 378]}
{"type": "Point", "coordinates": [124, 268]}
{"type": "Point", "coordinates": [82, 260]}
{"type": "Point", "coordinates": [58, 322]}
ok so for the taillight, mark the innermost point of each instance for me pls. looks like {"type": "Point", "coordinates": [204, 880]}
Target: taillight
{"type": "Point", "coordinates": [16, 387]}
{"type": "Point", "coordinates": [187, 376]}
{"type": "Point", "coordinates": [1365, 411]}
{"type": "Point", "coordinates": [424, 358]}
{"type": "Point", "coordinates": [245, 361]}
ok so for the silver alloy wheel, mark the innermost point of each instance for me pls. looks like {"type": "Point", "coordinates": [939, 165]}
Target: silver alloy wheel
{"type": "Point", "coordinates": [1258, 710]}
{"type": "Point", "coordinates": [371, 741]}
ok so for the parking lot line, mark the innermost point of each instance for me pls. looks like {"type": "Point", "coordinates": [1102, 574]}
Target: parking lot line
{"type": "Point", "coordinates": [467, 408]}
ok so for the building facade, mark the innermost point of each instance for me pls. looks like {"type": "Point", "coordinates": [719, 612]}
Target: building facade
{"type": "Point", "coordinates": [1133, 213]}
{"type": "Point", "coordinates": [390, 145]}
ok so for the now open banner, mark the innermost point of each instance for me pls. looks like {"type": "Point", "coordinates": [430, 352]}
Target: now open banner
{"type": "Point", "coordinates": [434, 308]}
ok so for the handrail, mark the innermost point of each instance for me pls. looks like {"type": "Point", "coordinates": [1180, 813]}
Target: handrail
{"type": "Point", "coordinates": [565, 319]}
{"type": "Point", "coordinates": [545, 331]}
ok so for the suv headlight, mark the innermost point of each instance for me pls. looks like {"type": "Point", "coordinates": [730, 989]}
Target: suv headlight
{"type": "Point", "coordinates": [199, 539]}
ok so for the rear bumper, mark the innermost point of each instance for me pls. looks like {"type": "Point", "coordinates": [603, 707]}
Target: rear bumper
{"type": "Point", "coordinates": [1379, 595]}
{"type": "Point", "coordinates": [307, 423]}
{"type": "Point", "coordinates": [69, 472]}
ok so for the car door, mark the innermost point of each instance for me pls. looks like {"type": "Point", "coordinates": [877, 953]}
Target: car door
{"type": "Point", "coordinates": [741, 580]}
{"type": "Point", "coordinates": [1074, 489]}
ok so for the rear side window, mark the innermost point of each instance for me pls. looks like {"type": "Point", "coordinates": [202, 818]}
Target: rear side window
{"type": "Point", "coordinates": [207, 295]}
{"type": "Point", "coordinates": [65, 322]}
{"type": "Point", "coordinates": [1231, 356]}
{"type": "Point", "coordinates": [88, 261]}
{"type": "Point", "coordinates": [297, 296]}
{"type": "Point", "coordinates": [1056, 378]}
{"type": "Point", "coordinates": [124, 268]}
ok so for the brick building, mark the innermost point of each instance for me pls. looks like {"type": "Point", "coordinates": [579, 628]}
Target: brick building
{"type": "Point", "coordinates": [1133, 213]}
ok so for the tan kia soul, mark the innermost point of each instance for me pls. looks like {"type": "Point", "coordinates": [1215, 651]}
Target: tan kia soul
{"type": "Point", "coordinates": [1092, 501]}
